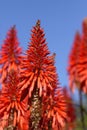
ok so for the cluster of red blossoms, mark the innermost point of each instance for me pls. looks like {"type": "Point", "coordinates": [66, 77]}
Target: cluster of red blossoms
{"type": "Point", "coordinates": [78, 60]}
{"type": "Point", "coordinates": [31, 97]}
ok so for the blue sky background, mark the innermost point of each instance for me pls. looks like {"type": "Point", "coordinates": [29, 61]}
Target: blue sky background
{"type": "Point", "coordinates": [60, 20]}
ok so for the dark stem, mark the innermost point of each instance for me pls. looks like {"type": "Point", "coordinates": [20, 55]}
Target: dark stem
{"type": "Point", "coordinates": [10, 121]}
{"type": "Point", "coordinates": [35, 111]}
{"type": "Point", "coordinates": [50, 125]}
{"type": "Point", "coordinates": [81, 110]}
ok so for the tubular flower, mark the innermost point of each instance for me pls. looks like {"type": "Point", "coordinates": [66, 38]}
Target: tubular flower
{"type": "Point", "coordinates": [70, 110]}
{"type": "Point", "coordinates": [77, 66]}
{"type": "Point", "coordinates": [12, 111]}
{"type": "Point", "coordinates": [73, 62]}
{"type": "Point", "coordinates": [37, 69]}
{"type": "Point", "coordinates": [39, 81]}
{"type": "Point", "coordinates": [54, 111]}
{"type": "Point", "coordinates": [9, 54]}
{"type": "Point", "coordinates": [82, 70]}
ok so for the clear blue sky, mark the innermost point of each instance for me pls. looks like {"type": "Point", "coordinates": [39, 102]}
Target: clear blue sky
{"type": "Point", "coordinates": [59, 18]}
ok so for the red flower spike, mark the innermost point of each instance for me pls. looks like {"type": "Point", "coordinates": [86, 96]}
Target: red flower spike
{"type": "Point", "coordinates": [39, 73]}
{"type": "Point", "coordinates": [73, 62]}
{"type": "Point", "coordinates": [55, 111]}
{"type": "Point", "coordinates": [37, 69]}
{"type": "Point", "coordinates": [10, 54]}
{"type": "Point", "coordinates": [10, 104]}
{"type": "Point", "coordinates": [82, 70]}
{"type": "Point", "coordinates": [77, 66]}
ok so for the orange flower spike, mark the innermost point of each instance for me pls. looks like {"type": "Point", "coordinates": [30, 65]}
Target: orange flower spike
{"type": "Point", "coordinates": [10, 99]}
{"type": "Point", "coordinates": [10, 54]}
{"type": "Point", "coordinates": [83, 58]}
{"type": "Point", "coordinates": [77, 62]}
{"type": "Point", "coordinates": [56, 106]}
{"type": "Point", "coordinates": [74, 61]}
{"type": "Point", "coordinates": [37, 60]}
{"type": "Point", "coordinates": [10, 47]}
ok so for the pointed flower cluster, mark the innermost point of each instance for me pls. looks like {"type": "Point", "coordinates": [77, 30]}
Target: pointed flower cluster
{"type": "Point", "coordinates": [39, 73]}
{"type": "Point", "coordinates": [38, 66]}
{"type": "Point", "coordinates": [55, 111]}
{"type": "Point", "coordinates": [73, 62]}
{"type": "Point", "coordinates": [12, 111]}
{"type": "Point", "coordinates": [78, 61]}
{"type": "Point", "coordinates": [9, 54]}
{"type": "Point", "coordinates": [30, 97]}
